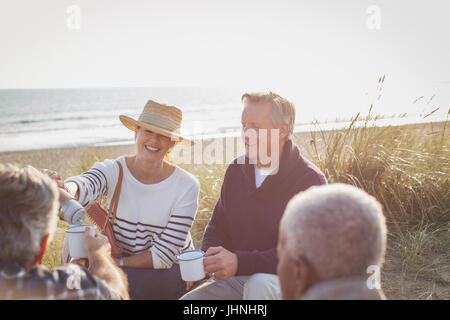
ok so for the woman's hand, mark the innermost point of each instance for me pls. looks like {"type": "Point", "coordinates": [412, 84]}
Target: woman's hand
{"type": "Point", "coordinates": [54, 176]}
{"type": "Point", "coordinates": [190, 285]}
{"type": "Point", "coordinates": [64, 193]}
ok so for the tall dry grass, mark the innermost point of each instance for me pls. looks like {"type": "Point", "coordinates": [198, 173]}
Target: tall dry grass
{"type": "Point", "coordinates": [407, 169]}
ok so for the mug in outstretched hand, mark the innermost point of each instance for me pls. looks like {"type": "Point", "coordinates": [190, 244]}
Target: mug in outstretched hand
{"type": "Point", "coordinates": [75, 239]}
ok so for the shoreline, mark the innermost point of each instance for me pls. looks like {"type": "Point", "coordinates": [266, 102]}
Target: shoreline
{"type": "Point", "coordinates": [235, 133]}
{"type": "Point", "coordinates": [99, 137]}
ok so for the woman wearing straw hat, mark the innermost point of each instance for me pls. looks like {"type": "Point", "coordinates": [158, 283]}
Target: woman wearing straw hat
{"type": "Point", "coordinates": [157, 203]}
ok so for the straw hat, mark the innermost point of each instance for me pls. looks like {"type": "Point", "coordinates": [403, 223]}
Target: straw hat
{"type": "Point", "coordinates": [159, 118]}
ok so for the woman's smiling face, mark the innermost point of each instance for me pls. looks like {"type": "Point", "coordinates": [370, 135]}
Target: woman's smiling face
{"type": "Point", "coordinates": [152, 146]}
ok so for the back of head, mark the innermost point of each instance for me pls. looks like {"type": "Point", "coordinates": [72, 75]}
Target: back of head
{"type": "Point", "coordinates": [28, 212]}
{"type": "Point", "coordinates": [338, 228]}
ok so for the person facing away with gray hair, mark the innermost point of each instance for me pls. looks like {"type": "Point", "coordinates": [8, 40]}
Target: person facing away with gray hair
{"type": "Point", "coordinates": [28, 218]}
{"type": "Point", "coordinates": [332, 243]}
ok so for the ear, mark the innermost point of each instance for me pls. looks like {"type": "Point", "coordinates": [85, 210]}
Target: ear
{"type": "Point", "coordinates": [173, 143]}
{"type": "Point", "coordinates": [42, 249]}
{"type": "Point", "coordinates": [301, 276]}
{"type": "Point", "coordinates": [284, 131]}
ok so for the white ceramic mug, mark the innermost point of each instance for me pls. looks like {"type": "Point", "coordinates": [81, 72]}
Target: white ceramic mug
{"type": "Point", "coordinates": [75, 239]}
{"type": "Point", "coordinates": [191, 265]}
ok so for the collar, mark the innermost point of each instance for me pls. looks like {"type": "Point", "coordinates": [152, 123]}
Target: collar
{"type": "Point", "coordinates": [287, 161]}
{"type": "Point", "coordinates": [265, 172]}
{"type": "Point", "coordinates": [11, 267]}
{"type": "Point", "coordinates": [345, 288]}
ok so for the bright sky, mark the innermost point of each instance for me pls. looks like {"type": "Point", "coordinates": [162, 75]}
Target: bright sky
{"type": "Point", "coordinates": [321, 54]}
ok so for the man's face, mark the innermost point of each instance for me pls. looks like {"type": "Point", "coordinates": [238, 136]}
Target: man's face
{"type": "Point", "coordinates": [257, 133]}
{"type": "Point", "coordinates": [291, 280]}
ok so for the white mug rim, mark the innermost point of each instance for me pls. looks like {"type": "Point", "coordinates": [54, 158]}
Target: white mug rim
{"type": "Point", "coordinates": [201, 251]}
{"type": "Point", "coordinates": [68, 230]}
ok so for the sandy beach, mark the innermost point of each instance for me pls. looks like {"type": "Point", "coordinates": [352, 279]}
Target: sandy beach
{"type": "Point", "coordinates": [65, 159]}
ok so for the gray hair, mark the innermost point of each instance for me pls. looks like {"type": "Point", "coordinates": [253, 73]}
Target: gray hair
{"type": "Point", "coordinates": [339, 229]}
{"type": "Point", "coordinates": [28, 212]}
{"type": "Point", "coordinates": [283, 111]}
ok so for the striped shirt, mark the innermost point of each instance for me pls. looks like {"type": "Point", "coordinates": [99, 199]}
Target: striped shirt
{"type": "Point", "coordinates": [152, 218]}
{"type": "Point", "coordinates": [70, 282]}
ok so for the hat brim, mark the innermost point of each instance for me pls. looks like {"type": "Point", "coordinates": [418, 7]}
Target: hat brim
{"type": "Point", "coordinates": [133, 124]}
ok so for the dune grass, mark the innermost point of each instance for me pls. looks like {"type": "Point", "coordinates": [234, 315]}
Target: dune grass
{"type": "Point", "coordinates": [406, 168]}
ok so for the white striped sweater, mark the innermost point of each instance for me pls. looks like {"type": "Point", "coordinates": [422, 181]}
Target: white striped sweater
{"type": "Point", "coordinates": [150, 217]}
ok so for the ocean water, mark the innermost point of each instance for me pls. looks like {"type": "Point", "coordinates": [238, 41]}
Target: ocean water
{"type": "Point", "coordinates": [52, 118]}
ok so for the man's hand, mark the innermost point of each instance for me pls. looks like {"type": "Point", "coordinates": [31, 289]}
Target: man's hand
{"type": "Point", "coordinates": [82, 262]}
{"type": "Point", "coordinates": [96, 244]}
{"type": "Point", "coordinates": [102, 265]}
{"type": "Point", "coordinates": [220, 263]}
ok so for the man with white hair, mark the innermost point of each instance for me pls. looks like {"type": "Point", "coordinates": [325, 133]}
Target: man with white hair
{"type": "Point", "coordinates": [28, 217]}
{"type": "Point", "coordinates": [332, 238]}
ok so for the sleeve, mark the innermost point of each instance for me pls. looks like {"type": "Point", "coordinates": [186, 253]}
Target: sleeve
{"type": "Point", "coordinates": [318, 179]}
{"type": "Point", "coordinates": [216, 233]}
{"type": "Point", "coordinates": [96, 182]}
{"type": "Point", "coordinates": [176, 237]}
{"type": "Point", "coordinates": [312, 178]}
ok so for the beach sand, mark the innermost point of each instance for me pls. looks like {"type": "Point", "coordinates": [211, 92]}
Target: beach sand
{"type": "Point", "coordinates": [65, 160]}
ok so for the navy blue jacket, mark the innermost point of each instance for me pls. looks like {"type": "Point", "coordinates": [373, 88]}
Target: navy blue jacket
{"type": "Point", "coordinates": [245, 219]}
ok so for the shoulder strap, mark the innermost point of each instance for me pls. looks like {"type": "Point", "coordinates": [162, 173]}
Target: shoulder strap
{"type": "Point", "coordinates": [116, 196]}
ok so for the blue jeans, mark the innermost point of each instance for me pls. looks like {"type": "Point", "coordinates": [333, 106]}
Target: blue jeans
{"type": "Point", "coordinates": [155, 284]}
